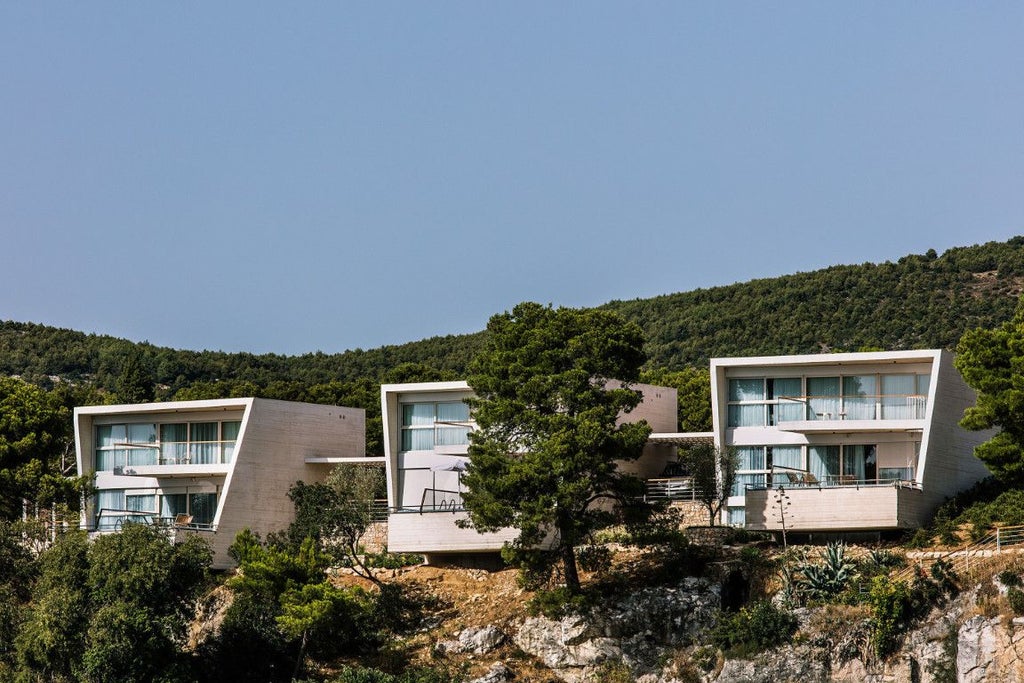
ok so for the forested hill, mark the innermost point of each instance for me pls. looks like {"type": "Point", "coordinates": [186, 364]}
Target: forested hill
{"type": "Point", "coordinates": [919, 301]}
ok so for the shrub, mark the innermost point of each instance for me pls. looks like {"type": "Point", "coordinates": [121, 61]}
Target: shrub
{"type": "Point", "coordinates": [753, 629]}
{"type": "Point", "coordinates": [557, 602]}
{"type": "Point", "coordinates": [1015, 597]}
{"type": "Point", "coordinates": [594, 558]}
{"type": "Point", "coordinates": [1008, 577]}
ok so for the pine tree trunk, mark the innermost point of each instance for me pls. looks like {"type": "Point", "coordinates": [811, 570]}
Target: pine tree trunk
{"type": "Point", "coordinates": [572, 576]}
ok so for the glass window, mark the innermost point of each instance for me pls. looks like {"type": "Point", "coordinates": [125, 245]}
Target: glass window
{"type": "Point", "coordinates": [746, 389]}
{"type": "Point", "coordinates": [426, 425]}
{"type": "Point", "coordinates": [823, 398]}
{"type": "Point", "coordinates": [172, 504]}
{"type": "Point", "coordinates": [896, 473]}
{"type": "Point", "coordinates": [417, 414]}
{"type": "Point", "coordinates": [109, 509]}
{"type": "Point", "coordinates": [823, 461]}
{"type": "Point", "coordinates": [229, 435]}
{"type": "Point", "coordinates": [145, 502]}
{"type": "Point", "coordinates": [736, 516]}
{"type": "Point", "coordinates": [751, 458]}
{"type": "Point", "coordinates": [739, 487]}
{"type": "Point", "coordinates": [204, 443]}
{"type": "Point", "coordinates": [141, 433]}
{"type": "Point", "coordinates": [109, 435]}
{"type": "Point", "coordinates": [174, 444]}
{"type": "Point", "coordinates": [898, 402]}
{"type": "Point", "coordinates": [202, 507]}
{"type": "Point", "coordinates": [859, 397]}
{"type": "Point", "coordinates": [788, 457]}
{"type": "Point", "coordinates": [747, 415]}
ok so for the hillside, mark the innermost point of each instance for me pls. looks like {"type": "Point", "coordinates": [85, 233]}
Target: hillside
{"type": "Point", "coordinates": [918, 301]}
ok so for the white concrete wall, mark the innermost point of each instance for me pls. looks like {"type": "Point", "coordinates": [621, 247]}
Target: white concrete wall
{"type": "Point", "coordinates": [275, 439]}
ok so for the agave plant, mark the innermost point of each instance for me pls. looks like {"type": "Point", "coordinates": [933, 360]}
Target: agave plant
{"type": "Point", "coordinates": [828, 579]}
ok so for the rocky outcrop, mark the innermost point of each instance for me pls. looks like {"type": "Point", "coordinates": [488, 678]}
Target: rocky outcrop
{"type": "Point", "coordinates": [990, 649]}
{"type": "Point", "coordinates": [637, 628]}
{"type": "Point", "coordinates": [473, 640]}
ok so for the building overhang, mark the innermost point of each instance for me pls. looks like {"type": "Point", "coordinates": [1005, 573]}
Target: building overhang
{"type": "Point", "coordinates": [852, 426]}
{"type": "Point", "coordinates": [681, 438]}
{"type": "Point", "coordinates": [343, 460]}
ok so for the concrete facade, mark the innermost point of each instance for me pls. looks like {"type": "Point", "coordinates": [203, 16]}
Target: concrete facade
{"type": "Point", "coordinates": [210, 468]}
{"type": "Point", "coordinates": [423, 472]}
{"type": "Point", "coordinates": [856, 441]}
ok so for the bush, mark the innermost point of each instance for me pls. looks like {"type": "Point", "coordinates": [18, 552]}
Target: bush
{"type": "Point", "coordinates": [557, 602]}
{"type": "Point", "coordinates": [753, 629]}
{"type": "Point", "coordinates": [594, 558]}
{"type": "Point", "coordinates": [1008, 577]}
{"type": "Point", "coordinates": [1015, 597]}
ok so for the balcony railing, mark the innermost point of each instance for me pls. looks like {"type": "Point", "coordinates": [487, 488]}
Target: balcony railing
{"type": "Point", "coordinates": [670, 489]}
{"type": "Point", "coordinates": [130, 455]}
{"type": "Point", "coordinates": [110, 519]}
{"type": "Point", "coordinates": [790, 480]}
{"type": "Point", "coordinates": [868, 407]}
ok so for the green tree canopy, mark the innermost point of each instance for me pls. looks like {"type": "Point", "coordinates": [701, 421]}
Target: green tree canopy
{"type": "Point", "coordinates": [992, 362]}
{"type": "Point", "coordinates": [35, 430]}
{"type": "Point", "coordinates": [545, 451]}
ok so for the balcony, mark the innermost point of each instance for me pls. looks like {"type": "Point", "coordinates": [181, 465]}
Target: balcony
{"type": "Point", "coordinates": [167, 459]}
{"type": "Point", "coordinates": [838, 503]}
{"type": "Point", "coordinates": [847, 414]}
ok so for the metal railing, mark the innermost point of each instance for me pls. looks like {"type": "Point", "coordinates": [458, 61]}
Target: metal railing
{"type": "Point", "coordinates": [119, 517]}
{"type": "Point", "coordinates": [866, 407]}
{"type": "Point", "coordinates": [670, 489]}
{"type": "Point", "coordinates": [440, 500]}
{"type": "Point", "coordinates": [790, 477]}
{"type": "Point", "coordinates": [970, 557]}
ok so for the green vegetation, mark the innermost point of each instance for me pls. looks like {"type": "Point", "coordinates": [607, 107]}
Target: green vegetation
{"type": "Point", "coordinates": [714, 472]}
{"type": "Point", "coordinates": [113, 610]}
{"type": "Point", "coordinates": [753, 629]}
{"type": "Point", "coordinates": [336, 513]}
{"type": "Point", "coordinates": [547, 441]}
{"type": "Point", "coordinates": [991, 361]}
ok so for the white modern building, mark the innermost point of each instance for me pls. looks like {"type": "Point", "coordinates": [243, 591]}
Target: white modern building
{"type": "Point", "coordinates": [426, 428]}
{"type": "Point", "coordinates": [209, 467]}
{"type": "Point", "coordinates": [843, 442]}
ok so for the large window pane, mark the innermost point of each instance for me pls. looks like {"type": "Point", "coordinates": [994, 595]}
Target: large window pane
{"type": "Point", "coordinates": [174, 444]}
{"type": "Point", "coordinates": [898, 402]}
{"type": "Point", "coordinates": [746, 390]}
{"type": "Point", "coordinates": [109, 435]}
{"type": "Point", "coordinates": [203, 438]}
{"type": "Point", "coordinates": [141, 456]}
{"type": "Point", "coordinates": [788, 457]}
{"type": "Point", "coordinates": [823, 461]}
{"type": "Point", "coordinates": [417, 439]}
{"type": "Point", "coordinates": [750, 458]}
{"type": "Point", "coordinates": [417, 414]}
{"type": "Point", "coordinates": [452, 412]}
{"type": "Point", "coordinates": [173, 504]}
{"type": "Point", "coordinates": [452, 436]}
{"type": "Point", "coordinates": [109, 504]}
{"type": "Point", "coordinates": [746, 415]}
{"type": "Point", "coordinates": [141, 433]}
{"type": "Point", "coordinates": [202, 507]}
{"type": "Point", "coordinates": [229, 435]}
{"type": "Point", "coordinates": [739, 487]}
{"type": "Point", "coordinates": [823, 398]}
{"type": "Point", "coordinates": [859, 397]}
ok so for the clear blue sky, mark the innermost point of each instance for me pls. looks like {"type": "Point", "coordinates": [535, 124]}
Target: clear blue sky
{"type": "Point", "coordinates": [292, 177]}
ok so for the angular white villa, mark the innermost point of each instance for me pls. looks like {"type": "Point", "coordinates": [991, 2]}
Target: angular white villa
{"type": "Point", "coordinates": [426, 427]}
{"type": "Point", "coordinates": [843, 442]}
{"type": "Point", "coordinates": [209, 467]}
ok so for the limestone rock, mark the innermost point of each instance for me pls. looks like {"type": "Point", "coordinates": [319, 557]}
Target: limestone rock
{"type": "Point", "coordinates": [498, 673]}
